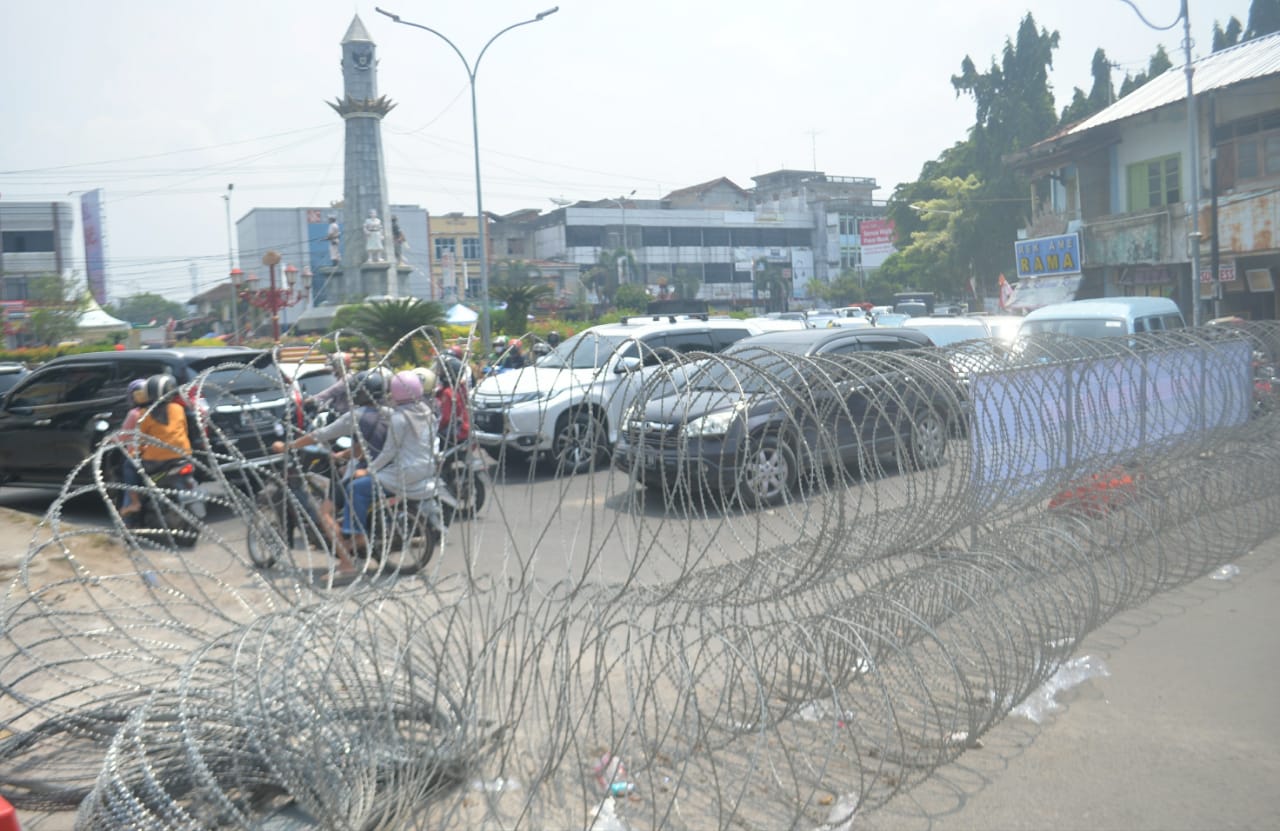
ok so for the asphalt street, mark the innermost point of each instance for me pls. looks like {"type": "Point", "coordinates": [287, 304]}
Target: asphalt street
{"type": "Point", "coordinates": [1183, 733]}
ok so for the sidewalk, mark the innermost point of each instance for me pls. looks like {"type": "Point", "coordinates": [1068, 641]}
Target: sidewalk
{"type": "Point", "coordinates": [1183, 734]}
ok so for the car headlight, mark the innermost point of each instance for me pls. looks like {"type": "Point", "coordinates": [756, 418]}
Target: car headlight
{"type": "Point", "coordinates": [715, 424]}
{"type": "Point", "coordinates": [523, 397]}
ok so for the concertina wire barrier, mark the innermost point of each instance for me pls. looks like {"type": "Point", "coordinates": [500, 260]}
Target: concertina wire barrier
{"type": "Point", "coordinates": [909, 544]}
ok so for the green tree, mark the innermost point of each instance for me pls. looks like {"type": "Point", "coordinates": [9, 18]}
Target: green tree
{"type": "Point", "coordinates": [602, 277]}
{"type": "Point", "coordinates": [1101, 94]}
{"type": "Point", "coordinates": [686, 282]}
{"type": "Point", "coordinates": [1158, 65]}
{"type": "Point", "coordinates": [58, 303]}
{"type": "Point", "coordinates": [1224, 38]}
{"type": "Point", "coordinates": [631, 298]}
{"type": "Point", "coordinates": [1264, 18]}
{"type": "Point", "coordinates": [387, 322]}
{"type": "Point", "coordinates": [146, 307]}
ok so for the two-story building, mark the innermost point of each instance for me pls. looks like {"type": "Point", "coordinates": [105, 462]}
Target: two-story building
{"type": "Point", "coordinates": [1111, 194]}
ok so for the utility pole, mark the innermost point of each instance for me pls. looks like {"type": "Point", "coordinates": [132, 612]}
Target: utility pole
{"type": "Point", "coordinates": [1193, 129]}
{"type": "Point", "coordinates": [231, 270]}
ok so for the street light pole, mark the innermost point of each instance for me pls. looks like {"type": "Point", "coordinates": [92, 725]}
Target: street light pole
{"type": "Point", "coordinates": [626, 249]}
{"type": "Point", "coordinates": [1193, 130]}
{"type": "Point", "coordinates": [1193, 180]}
{"type": "Point", "coordinates": [472, 69]}
{"type": "Point", "coordinates": [231, 270]}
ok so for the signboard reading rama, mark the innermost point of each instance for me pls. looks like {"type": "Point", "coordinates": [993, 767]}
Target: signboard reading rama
{"type": "Point", "coordinates": [1048, 255]}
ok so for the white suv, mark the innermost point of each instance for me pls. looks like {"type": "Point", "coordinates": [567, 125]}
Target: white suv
{"type": "Point", "coordinates": [569, 403]}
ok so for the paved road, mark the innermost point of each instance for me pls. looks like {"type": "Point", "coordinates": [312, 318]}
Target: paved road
{"type": "Point", "coordinates": [1183, 734]}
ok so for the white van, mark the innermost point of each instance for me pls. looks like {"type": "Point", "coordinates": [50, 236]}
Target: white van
{"type": "Point", "coordinates": [1104, 317]}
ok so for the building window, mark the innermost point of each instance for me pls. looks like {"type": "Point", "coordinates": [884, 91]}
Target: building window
{"type": "Point", "coordinates": [1154, 183]}
{"type": "Point", "coordinates": [470, 248]}
{"type": "Point", "coordinates": [19, 242]}
{"type": "Point", "coordinates": [15, 288]}
{"type": "Point", "coordinates": [690, 237]}
{"type": "Point", "coordinates": [584, 236]}
{"type": "Point", "coordinates": [445, 245]}
{"type": "Point", "coordinates": [1251, 147]}
{"type": "Point", "coordinates": [715, 237]}
{"type": "Point", "coordinates": [719, 273]}
{"type": "Point", "coordinates": [656, 237]}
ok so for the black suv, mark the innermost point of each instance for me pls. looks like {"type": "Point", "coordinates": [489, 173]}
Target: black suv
{"type": "Point", "coordinates": [779, 406]}
{"type": "Point", "coordinates": [56, 416]}
{"type": "Point", "coordinates": [10, 374]}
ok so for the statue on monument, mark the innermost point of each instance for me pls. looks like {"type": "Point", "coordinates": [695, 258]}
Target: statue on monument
{"type": "Point", "coordinates": [375, 250]}
{"type": "Point", "coordinates": [398, 241]}
{"type": "Point", "coordinates": [334, 236]}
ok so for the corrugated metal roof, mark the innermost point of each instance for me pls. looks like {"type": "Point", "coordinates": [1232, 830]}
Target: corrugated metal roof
{"type": "Point", "coordinates": [1254, 58]}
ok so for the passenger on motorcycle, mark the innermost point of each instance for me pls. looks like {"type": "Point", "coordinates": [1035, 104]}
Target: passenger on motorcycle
{"type": "Point", "coordinates": [162, 434]}
{"type": "Point", "coordinates": [406, 465]}
{"type": "Point", "coordinates": [367, 425]}
{"type": "Point", "coordinates": [451, 401]}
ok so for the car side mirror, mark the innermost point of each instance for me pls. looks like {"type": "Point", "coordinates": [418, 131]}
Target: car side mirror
{"type": "Point", "coordinates": [629, 364]}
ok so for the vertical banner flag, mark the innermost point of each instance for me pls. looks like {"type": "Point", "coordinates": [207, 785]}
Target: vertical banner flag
{"type": "Point", "coordinates": [94, 261]}
{"type": "Point", "coordinates": [1006, 292]}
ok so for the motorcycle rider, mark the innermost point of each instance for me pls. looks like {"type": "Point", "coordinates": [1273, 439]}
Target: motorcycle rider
{"type": "Point", "coordinates": [405, 466]}
{"type": "Point", "coordinates": [162, 434]}
{"type": "Point", "coordinates": [336, 398]}
{"type": "Point", "coordinates": [367, 425]}
{"type": "Point", "coordinates": [452, 401]}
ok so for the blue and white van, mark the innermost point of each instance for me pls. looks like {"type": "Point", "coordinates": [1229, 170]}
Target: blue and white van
{"type": "Point", "coordinates": [1104, 317]}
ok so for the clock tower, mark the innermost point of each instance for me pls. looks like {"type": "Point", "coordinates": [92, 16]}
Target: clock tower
{"type": "Point", "coordinates": [364, 172]}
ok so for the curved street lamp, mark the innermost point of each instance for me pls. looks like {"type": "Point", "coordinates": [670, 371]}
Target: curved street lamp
{"type": "Point", "coordinates": [472, 69]}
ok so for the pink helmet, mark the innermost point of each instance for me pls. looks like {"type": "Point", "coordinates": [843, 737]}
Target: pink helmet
{"type": "Point", "coordinates": [406, 388]}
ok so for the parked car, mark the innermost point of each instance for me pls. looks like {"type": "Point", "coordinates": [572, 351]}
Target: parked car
{"type": "Point", "coordinates": [945, 330]}
{"type": "Point", "coordinates": [57, 415]}
{"type": "Point", "coordinates": [780, 407]}
{"type": "Point", "coordinates": [11, 372]}
{"type": "Point", "coordinates": [1103, 317]}
{"type": "Point", "coordinates": [310, 378]}
{"type": "Point", "coordinates": [569, 403]}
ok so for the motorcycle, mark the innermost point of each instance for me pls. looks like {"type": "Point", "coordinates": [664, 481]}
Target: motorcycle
{"type": "Point", "coordinates": [464, 479]}
{"type": "Point", "coordinates": [403, 533]}
{"type": "Point", "coordinates": [172, 508]}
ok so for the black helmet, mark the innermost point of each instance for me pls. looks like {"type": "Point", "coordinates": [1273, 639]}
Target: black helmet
{"type": "Point", "coordinates": [449, 370]}
{"type": "Point", "coordinates": [370, 387]}
{"type": "Point", "coordinates": [553, 338]}
{"type": "Point", "coordinates": [158, 387]}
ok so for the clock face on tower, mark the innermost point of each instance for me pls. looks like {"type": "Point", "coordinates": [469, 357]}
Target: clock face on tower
{"type": "Point", "coordinates": [362, 56]}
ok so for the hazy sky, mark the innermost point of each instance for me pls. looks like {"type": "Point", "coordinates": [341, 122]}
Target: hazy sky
{"type": "Point", "coordinates": [162, 103]}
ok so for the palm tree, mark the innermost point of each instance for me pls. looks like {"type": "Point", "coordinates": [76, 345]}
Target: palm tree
{"type": "Point", "coordinates": [387, 323]}
{"type": "Point", "coordinates": [520, 298]}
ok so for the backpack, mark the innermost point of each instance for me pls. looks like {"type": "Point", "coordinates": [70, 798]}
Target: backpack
{"type": "Point", "coordinates": [373, 430]}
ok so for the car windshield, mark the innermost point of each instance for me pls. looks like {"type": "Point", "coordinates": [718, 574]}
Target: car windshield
{"type": "Point", "coordinates": [243, 380]}
{"type": "Point", "coordinates": [585, 350]}
{"type": "Point", "coordinates": [316, 383]}
{"type": "Point", "coordinates": [1079, 328]}
{"type": "Point", "coordinates": [751, 370]}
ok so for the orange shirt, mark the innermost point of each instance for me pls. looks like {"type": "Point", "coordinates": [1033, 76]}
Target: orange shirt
{"type": "Point", "coordinates": [174, 433]}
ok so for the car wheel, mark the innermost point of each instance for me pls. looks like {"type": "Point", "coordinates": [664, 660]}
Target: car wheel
{"type": "Point", "coordinates": [928, 438]}
{"type": "Point", "coordinates": [580, 442]}
{"type": "Point", "coordinates": [768, 472]}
